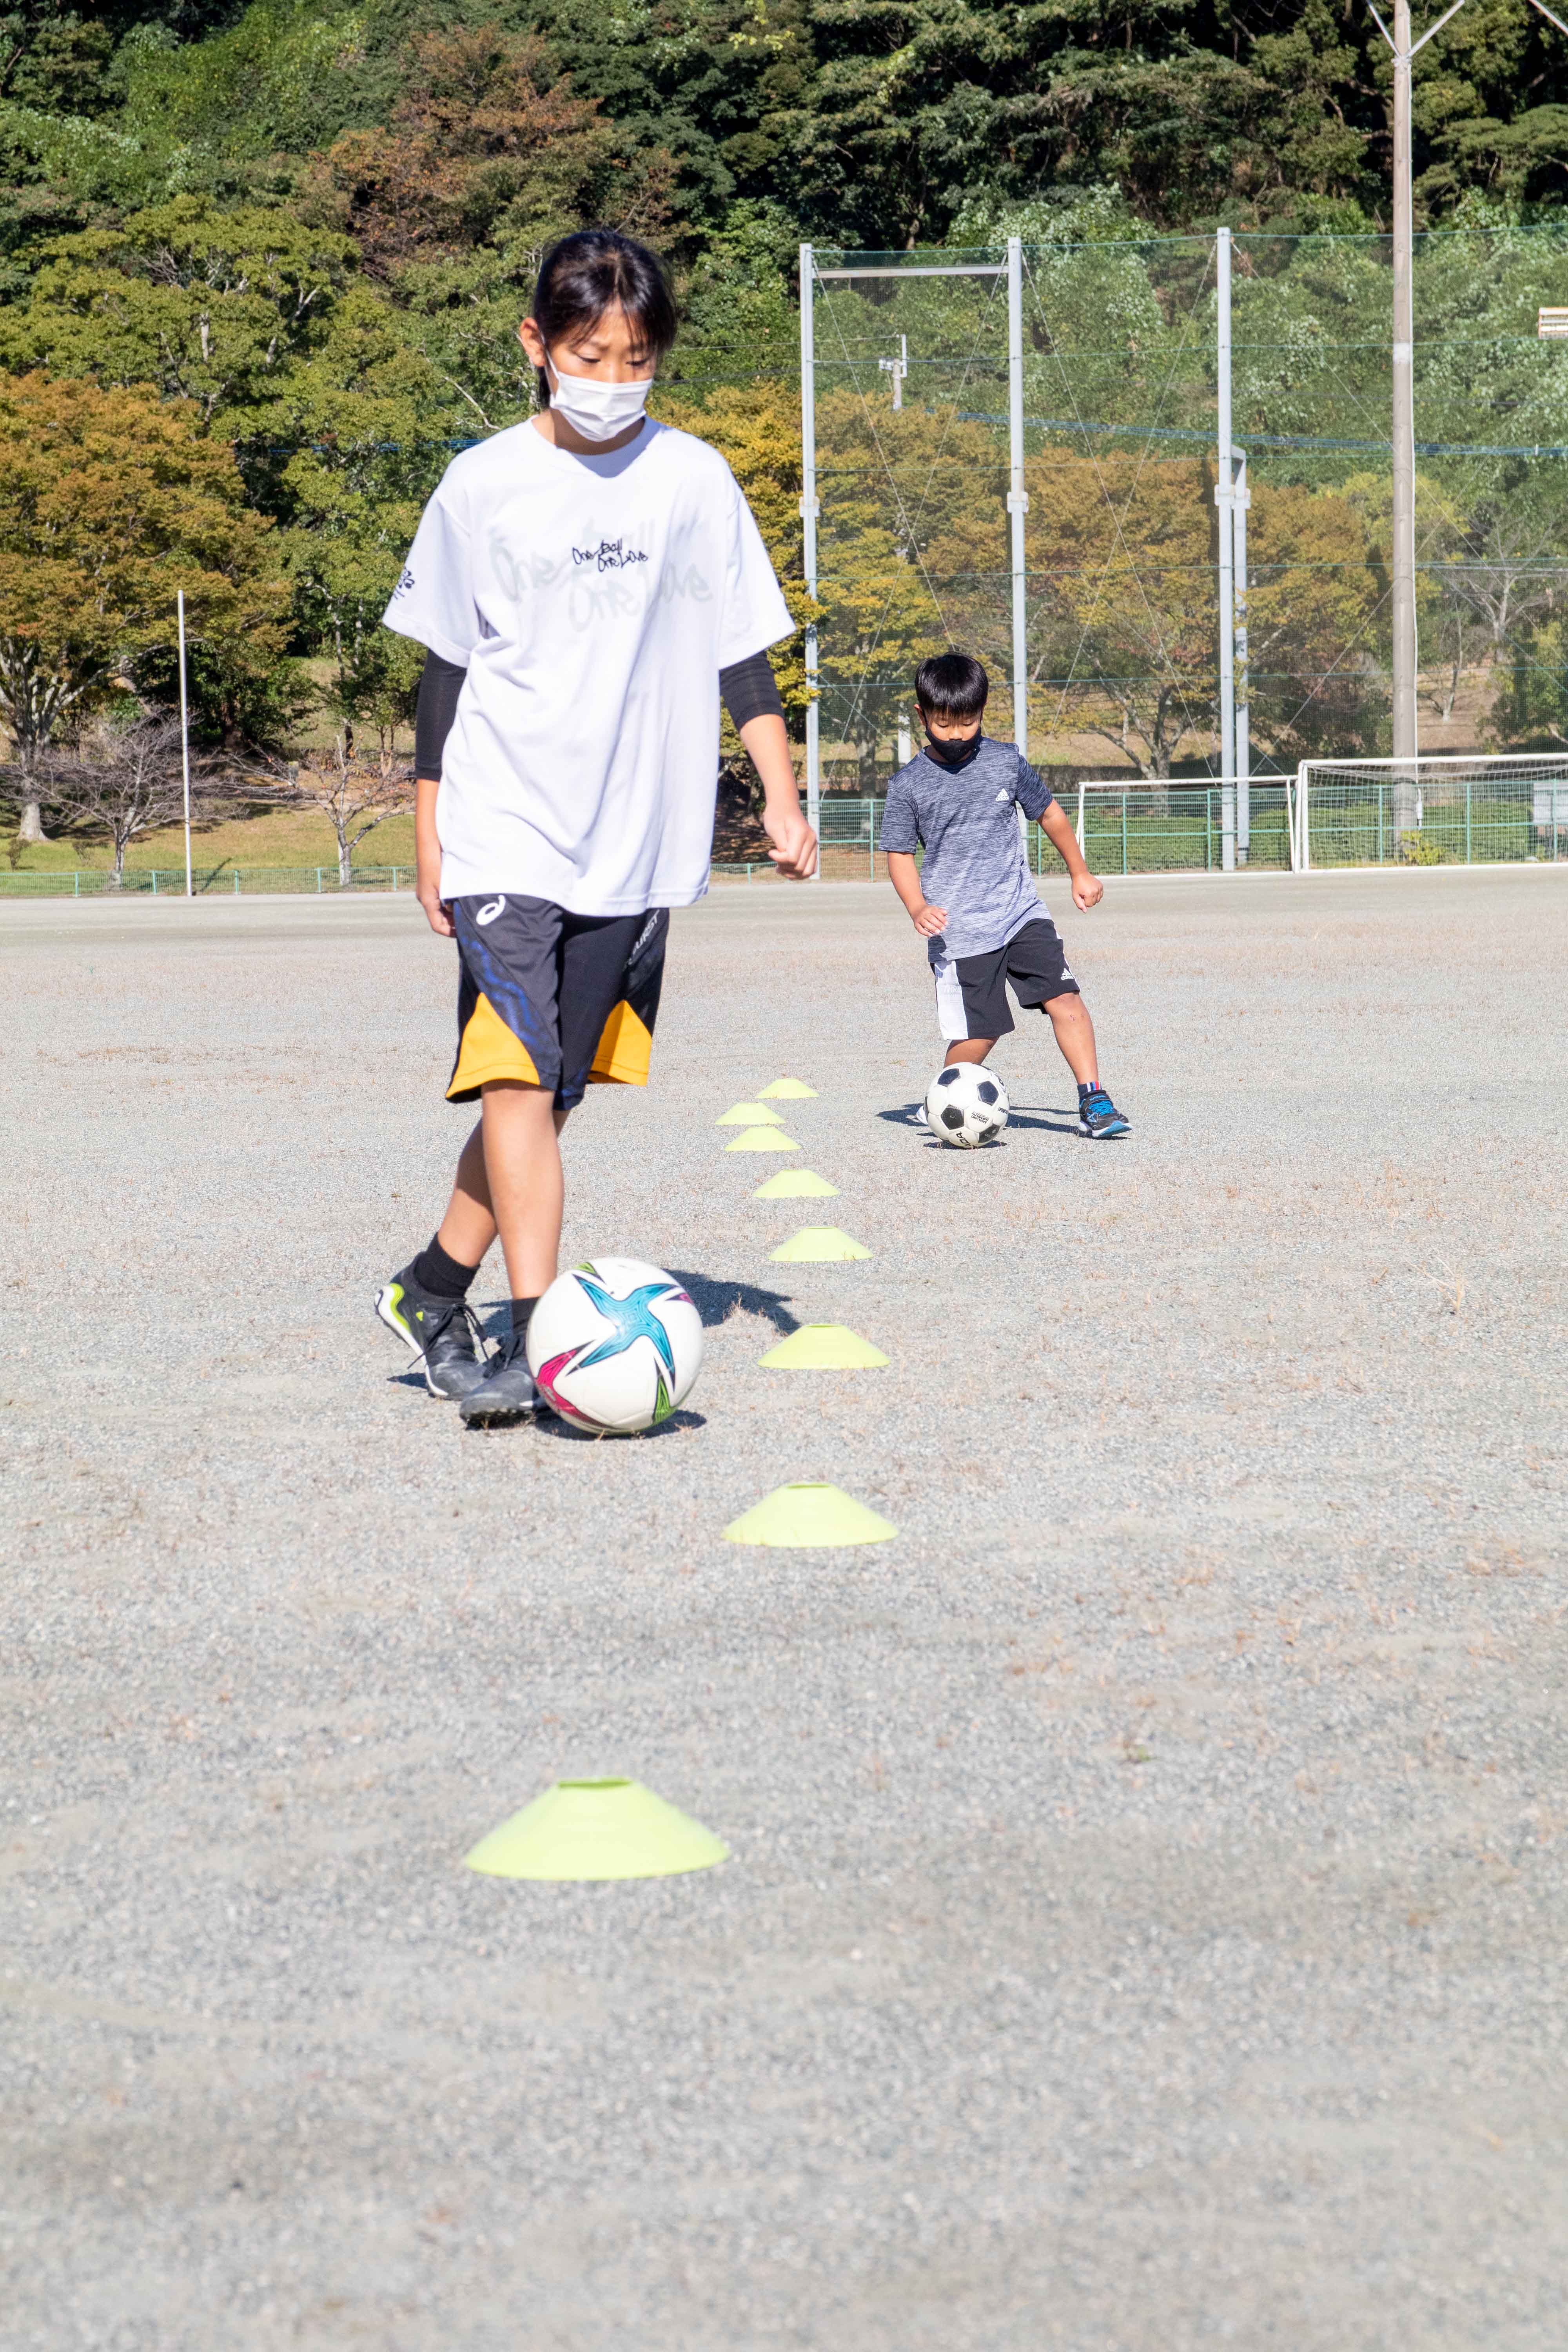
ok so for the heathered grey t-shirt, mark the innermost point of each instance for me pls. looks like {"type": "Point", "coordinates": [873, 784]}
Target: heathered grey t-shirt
{"type": "Point", "coordinates": [967, 821]}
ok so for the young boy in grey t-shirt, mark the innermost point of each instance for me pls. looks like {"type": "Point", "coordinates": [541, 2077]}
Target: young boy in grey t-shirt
{"type": "Point", "coordinates": [983, 923]}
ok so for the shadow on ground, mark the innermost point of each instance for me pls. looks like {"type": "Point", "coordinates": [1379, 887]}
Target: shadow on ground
{"type": "Point", "coordinates": [1056, 1123]}
{"type": "Point", "coordinates": [716, 1301]}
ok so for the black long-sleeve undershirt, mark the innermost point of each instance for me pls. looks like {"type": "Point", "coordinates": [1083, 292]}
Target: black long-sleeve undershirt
{"type": "Point", "coordinates": [749, 688]}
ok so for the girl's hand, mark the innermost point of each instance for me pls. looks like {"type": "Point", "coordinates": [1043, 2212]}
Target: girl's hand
{"type": "Point", "coordinates": [427, 890]}
{"type": "Point", "coordinates": [928, 920]}
{"type": "Point", "coordinates": [1087, 890]}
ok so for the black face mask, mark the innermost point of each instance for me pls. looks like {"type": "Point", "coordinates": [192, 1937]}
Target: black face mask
{"type": "Point", "coordinates": [957, 753]}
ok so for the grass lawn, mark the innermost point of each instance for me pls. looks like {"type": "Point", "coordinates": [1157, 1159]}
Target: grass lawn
{"type": "Point", "coordinates": [278, 837]}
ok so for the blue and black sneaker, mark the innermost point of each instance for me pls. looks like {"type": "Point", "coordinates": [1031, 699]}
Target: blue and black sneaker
{"type": "Point", "coordinates": [1098, 1117]}
{"type": "Point", "coordinates": [443, 1332]}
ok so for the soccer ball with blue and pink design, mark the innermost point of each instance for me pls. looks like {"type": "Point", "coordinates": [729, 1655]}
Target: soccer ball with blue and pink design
{"type": "Point", "coordinates": [615, 1344]}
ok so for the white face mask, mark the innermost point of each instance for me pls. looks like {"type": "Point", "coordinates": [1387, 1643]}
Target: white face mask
{"type": "Point", "coordinates": [595, 409]}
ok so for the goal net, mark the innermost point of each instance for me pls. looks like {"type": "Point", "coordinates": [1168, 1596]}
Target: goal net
{"type": "Point", "coordinates": [1486, 810]}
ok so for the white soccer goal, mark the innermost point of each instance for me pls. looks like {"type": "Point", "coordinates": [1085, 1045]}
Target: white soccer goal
{"type": "Point", "coordinates": [1144, 826]}
{"type": "Point", "coordinates": [1484, 809]}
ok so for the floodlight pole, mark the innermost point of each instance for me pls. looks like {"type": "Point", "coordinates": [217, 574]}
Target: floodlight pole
{"type": "Point", "coordinates": [1224, 499]}
{"type": "Point", "coordinates": [898, 369]}
{"type": "Point", "coordinates": [808, 512]}
{"type": "Point", "coordinates": [184, 738]}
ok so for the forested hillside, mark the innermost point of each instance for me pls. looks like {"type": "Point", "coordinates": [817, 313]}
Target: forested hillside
{"type": "Point", "coordinates": [306, 233]}
{"type": "Point", "coordinates": [866, 121]}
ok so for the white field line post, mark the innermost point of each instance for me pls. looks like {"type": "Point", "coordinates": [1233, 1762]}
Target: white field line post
{"type": "Point", "coordinates": [1223, 501]}
{"type": "Point", "coordinates": [1018, 500]}
{"type": "Point", "coordinates": [184, 738]}
{"type": "Point", "coordinates": [1081, 793]}
{"type": "Point", "coordinates": [808, 510]}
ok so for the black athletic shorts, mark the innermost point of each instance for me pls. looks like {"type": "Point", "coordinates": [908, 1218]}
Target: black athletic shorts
{"type": "Point", "coordinates": [555, 999]}
{"type": "Point", "coordinates": [972, 991]}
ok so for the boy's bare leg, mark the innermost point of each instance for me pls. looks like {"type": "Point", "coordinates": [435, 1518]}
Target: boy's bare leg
{"type": "Point", "coordinates": [968, 1049]}
{"type": "Point", "coordinates": [1068, 1016]}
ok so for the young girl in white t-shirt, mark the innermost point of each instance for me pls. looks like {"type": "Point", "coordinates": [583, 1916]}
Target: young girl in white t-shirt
{"type": "Point", "coordinates": [585, 584]}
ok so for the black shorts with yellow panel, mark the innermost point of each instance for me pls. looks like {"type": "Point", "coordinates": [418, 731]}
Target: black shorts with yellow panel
{"type": "Point", "coordinates": [555, 999]}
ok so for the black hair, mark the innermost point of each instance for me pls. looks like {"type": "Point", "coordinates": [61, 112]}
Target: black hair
{"type": "Point", "coordinates": [951, 686]}
{"type": "Point", "coordinates": [595, 270]}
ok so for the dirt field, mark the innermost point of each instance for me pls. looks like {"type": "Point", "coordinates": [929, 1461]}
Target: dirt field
{"type": "Point", "coordinates": [1146, 1921]}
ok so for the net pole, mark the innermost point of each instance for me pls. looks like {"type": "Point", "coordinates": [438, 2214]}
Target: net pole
{"type": "Point", "coordinates": [1402, 598]}
{"type": "Point", "coordinates": [1018, 496]}
{"type": "Point", "coordinates": [1223, 498]}
{"type": "Point", "coordinates": [1243, 704]}
{"type": "Point", "coordinates": [808, 510]}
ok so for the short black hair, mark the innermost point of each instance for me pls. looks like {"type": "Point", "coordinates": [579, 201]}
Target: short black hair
{"type": "Point", "coordinates": [598, 269]}
{"type": "Point", "coordinates": [954, 685]}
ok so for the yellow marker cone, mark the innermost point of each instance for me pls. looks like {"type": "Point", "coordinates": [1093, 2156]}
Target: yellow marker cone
{"type": "Point", "coordinates": [755, 1114]}
{"type": "Point", "coordinates": [817, 1245]}
{"type": "Point", "coordinates": [596, 1828]}
{"type": "Point", "coordinates": [762, 1139]}
{"type": "Point", "coordinates": [796, 1184]}
{"type": "Point", "coordinates": [807, 1516]}
{"type": "Point", "coordinates": [788, 1090]}
{"type": "Point", "coordinates": [824, 1348]}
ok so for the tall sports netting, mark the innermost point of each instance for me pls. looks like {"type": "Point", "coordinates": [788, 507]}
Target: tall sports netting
{"type": "Point", "coordinates": [1023, 459]}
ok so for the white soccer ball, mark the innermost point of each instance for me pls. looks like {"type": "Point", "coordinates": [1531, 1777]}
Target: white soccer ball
{"type": "Point", "coordinates": [967, 1104]}
{"type": "Point", "coordinates": [615, 1344]}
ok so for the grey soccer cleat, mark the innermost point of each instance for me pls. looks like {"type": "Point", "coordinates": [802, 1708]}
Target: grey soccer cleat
{"type": "Point", "coordinates": [442, 1333]}
{"type": "Point", "coordinates": [507, 1390]}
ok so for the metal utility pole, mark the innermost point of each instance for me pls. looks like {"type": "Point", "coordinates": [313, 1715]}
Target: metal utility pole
{"type": "Point", "coordinates": [1018, 496]}
{"type": "Point", "coordinates": [184, 738]}
{"type": "Point", "coordinates": [808, 512]}
{"type": "Point", "coordinates": [898, 369]}
{"type": "Point", "coordinates": [1241, 499]}
{"type": "Point", "coordinates": [1223, 501]}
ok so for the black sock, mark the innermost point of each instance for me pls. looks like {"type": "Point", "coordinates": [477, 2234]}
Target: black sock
{"type": "Point", "coordinates": [521, 1308]}
{"type": "Point", "coordinates": [441, 1274]}
{"type": "Point", "coordinates": [1093, 1088]}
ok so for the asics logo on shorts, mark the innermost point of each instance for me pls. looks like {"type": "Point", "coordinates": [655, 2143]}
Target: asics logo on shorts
{"type": "Point", "coordinates": [487, 913]}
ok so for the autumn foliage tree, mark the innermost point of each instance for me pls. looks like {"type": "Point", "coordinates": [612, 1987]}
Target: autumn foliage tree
{"type": "Point", "coordinates": [110, 501]}
{"type": "Point", "coordinates": [485, 145]}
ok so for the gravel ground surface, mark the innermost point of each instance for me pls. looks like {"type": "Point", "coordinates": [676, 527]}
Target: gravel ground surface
{"type": "Point", "coordinates": [1146, 1922]}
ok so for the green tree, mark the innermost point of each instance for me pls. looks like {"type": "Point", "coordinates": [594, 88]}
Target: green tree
{"type": "Point", "coordinates": [212, 306]}
{"type": "Point", "coordinates": [111, 501]}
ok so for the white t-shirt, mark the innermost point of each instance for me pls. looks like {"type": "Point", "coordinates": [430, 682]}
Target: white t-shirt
{"type": "Point", "coordinates": [594, 601]}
